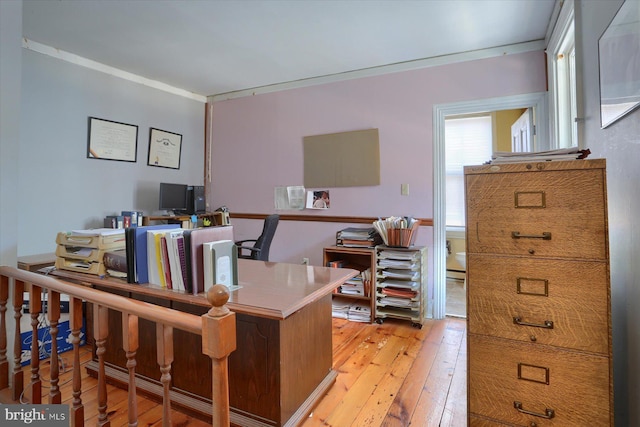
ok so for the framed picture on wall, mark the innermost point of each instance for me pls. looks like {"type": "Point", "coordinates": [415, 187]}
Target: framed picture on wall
{"type": "Point", "coordinates": [109, 140]}
{"type": "Point", "coordinates": [164, 149]}
{"type": "Point", "coordinates": [619, 57]}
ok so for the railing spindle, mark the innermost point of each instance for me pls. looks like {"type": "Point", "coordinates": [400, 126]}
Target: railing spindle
{"type": "Point", "coordinates": [18, 376]}
{"type": "Point", "coordinates": [130, 346]}
{"type": "Point", "coordinates": [53, 314]}
{"type": "Point", "coordinates": [35, 308]}
{"type": "Point", "coordinates": [164, 338]}
{"type": "Point", "coordinates": [4, 362]}
{"type": "Point", "coordinates": [75, 324]}
{"type": "Point", "coordinates": [101, 332]}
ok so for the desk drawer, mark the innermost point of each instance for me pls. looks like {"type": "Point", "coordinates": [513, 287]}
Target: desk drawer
{"type": "Point", "coordinates": [541, 214]}
{"type": "Point", "coordinates": [559, 387]}
{"type": "Point", "coordinates": [555, 302]}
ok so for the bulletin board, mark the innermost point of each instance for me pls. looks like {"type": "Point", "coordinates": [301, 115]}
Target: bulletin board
{"type": "Point", "coordinates": [344, 159]}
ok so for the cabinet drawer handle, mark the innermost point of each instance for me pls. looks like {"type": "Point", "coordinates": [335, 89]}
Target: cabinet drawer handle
{"type": "Point", "coordinates": [548, 324]}
{"type": "Point", "coordinates": [546, 235]}
{"type": "Point", "coordinates": [548, 413]}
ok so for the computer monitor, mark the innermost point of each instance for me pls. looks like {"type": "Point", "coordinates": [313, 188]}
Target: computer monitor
{"type": "Point", "coordinates": [173, 197]}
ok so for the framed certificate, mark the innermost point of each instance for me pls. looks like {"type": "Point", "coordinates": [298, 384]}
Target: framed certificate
{"type": "Point", "coordinates": [109, 140]}
{"type": "Point", "coordinates": [164, 149]}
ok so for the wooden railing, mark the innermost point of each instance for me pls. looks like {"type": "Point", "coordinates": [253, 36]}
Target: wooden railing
{"type": "Point", "coordinates": [217, 328]}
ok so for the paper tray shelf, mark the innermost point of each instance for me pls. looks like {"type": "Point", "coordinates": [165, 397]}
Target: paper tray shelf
{"type": "Point", "coordinates": [96, 268]}
{"type": "Point", "coordinates": [80, 253]}
{"type": "Point", "coordinates": [105, 242]}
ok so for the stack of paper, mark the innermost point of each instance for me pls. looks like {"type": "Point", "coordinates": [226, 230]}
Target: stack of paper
{"type": "Point", "coordinates": [340, 309]}
{"type": "Point", "coordinates": [360, 312]}
{"type": "Point", "coordinates": [572, 153]}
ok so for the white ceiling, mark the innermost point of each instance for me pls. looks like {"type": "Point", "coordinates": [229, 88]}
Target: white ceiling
{"type": "Point", "coordinates": [210, 47]}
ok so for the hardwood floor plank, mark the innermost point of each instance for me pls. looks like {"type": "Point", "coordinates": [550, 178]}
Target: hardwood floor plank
{"type": "Point", "coordinates": [350, 363]}
{"type": "Point", "coordinates": [406, 400]}
{"type": "Point", "coordinates": [377, 406]}
{"type": "Point", "coordinates": [354, 400]}
{"type": "Point", "coordinates": [455, 410]}
{"type": "Point", "coordinates": [436, 388]}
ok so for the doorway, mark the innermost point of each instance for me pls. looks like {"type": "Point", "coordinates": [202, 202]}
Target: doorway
{"type": "Point", "coordinates": [538, 104]}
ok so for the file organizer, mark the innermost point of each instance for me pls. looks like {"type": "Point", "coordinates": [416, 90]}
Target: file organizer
{"type": "Point", "coordinates": [83, 250]}
{"type": "Point", "coordinates": [400, 283]}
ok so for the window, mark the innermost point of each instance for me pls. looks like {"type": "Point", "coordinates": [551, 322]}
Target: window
{"type": "Point", "coordinates": [561, 58]}
{"type": "Point", "coordinates": [468, 141]}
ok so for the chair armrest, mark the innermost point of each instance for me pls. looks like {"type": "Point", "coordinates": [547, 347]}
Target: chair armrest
{"type": "Point", "coordinates": [249, 248]}
{"type": "Point", "coordinates": [251, 251]}
{"type": "Point", "coordinates": [241, 242]}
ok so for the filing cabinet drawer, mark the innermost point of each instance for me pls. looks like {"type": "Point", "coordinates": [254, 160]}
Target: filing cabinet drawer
{"type": "Point", "coordinates": [540, 214]}
{"type": "Point", "coordinates": [551, 301]}
{"type": "Point", "coordinates": [522, 383]}
{"type": "Point", "coordinates": [475, 421]}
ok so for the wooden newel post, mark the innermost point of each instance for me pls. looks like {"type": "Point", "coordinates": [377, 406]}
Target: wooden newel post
{"type": "Point", "coordinates": [218, 341]}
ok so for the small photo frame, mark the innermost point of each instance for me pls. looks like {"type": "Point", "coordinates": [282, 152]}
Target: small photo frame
{"type": "Point", "coordinates": [164, 149]}
{"type": "Point", "coordinates": [109, 140]}
{"type": "Point", "coordinates": [318, 199]}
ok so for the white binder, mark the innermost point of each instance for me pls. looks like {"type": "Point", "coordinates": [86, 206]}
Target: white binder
{"type": "Point", "coordinates": [220, 262]}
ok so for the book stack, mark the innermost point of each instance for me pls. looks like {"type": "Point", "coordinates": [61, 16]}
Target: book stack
{"type": "Point", "coordinates": [572, 153]}
{"type": "Point", "coordinates": [83, 250]}
{"type": "Point", "coordinates": [167, 258]}
{"type": "Point", "coordinates": [354, 311]}
{"type": "Point", "coordinates": [126, 219]}
{"type": "Point", "coordinates": [359, 285]}
{"type": "Point", "coordinates": [173, 258]}
{"type": "Point", "coordinates": [358, 237]}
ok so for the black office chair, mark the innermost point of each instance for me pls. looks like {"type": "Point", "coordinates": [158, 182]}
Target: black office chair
{"type": "Point", "coordinates": [260, 248]}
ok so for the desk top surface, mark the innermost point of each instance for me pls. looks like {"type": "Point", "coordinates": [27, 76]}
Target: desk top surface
{"type": "Point", "coordinates": [267, 289]}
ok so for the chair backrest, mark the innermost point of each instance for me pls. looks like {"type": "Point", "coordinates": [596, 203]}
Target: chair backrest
{"type": "Point", "coordinates": [264, 241]}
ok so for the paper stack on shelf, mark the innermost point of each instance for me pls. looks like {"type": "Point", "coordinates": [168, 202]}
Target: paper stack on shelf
{"type": "Point", "coordinates": [358, 285]}
{"type": "Point", "coordinates": [572, 153]}
{"type": "Point", "coordinates": [340, 309]}
{"type": "Point", "coordinates": [83, 250]}
{"type": "Point", "coordinates": [358, 237]}
{"type": "Point", "coordinates": [359, 312]}
{"type": "Point", "coordinates": [397, 231]}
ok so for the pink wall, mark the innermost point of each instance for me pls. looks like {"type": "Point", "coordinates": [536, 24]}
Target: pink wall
{"type": "Point", "coordinates": [257, 143]}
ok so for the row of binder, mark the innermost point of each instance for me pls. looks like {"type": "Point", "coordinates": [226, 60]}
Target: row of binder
{"type": "Point", "coordinates": [164, 255]}
{"type": "Point", "coordinates": [174, 258]}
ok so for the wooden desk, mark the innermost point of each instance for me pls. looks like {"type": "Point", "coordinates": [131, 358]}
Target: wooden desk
{"type": "Point", "coordinates": [283, 362]}
{"type": "Point", "coordinates": [36, 262]}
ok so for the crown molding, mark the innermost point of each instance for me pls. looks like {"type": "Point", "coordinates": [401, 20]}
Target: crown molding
{"type": "Point", "coordinates": [116, 72]}
{"type": "Point", "coordinates": [386, 69]}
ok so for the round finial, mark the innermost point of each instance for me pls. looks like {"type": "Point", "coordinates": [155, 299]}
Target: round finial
{"type": "Point", "coordinates": [218, 295]}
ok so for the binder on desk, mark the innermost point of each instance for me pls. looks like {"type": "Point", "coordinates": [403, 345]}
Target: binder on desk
{"type": "Point", "coordinates": [193, 240]}
{"type": "Point", "coordinates": [220, 264]}
{"type": "Point", "coordinates": [154, 257]}
{"type": "Point", "coordinates": [140, 244]}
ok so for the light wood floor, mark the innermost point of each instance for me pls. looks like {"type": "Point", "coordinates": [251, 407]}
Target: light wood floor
{"type": "Point", "coordinates": [388, 375]}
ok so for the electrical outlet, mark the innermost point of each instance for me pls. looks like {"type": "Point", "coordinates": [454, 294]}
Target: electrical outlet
{"type": "Point", "coordinates": [305, 261]}
{"type": "Point", "coordinates": [404, 189]}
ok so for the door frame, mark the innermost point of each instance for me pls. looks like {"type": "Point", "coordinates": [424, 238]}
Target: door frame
{"type": "Point", "coordinates": [539, 103]}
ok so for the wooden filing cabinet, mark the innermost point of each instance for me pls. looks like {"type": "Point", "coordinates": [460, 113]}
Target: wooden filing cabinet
{"type": "Point", "coordinates": [538, 294]}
